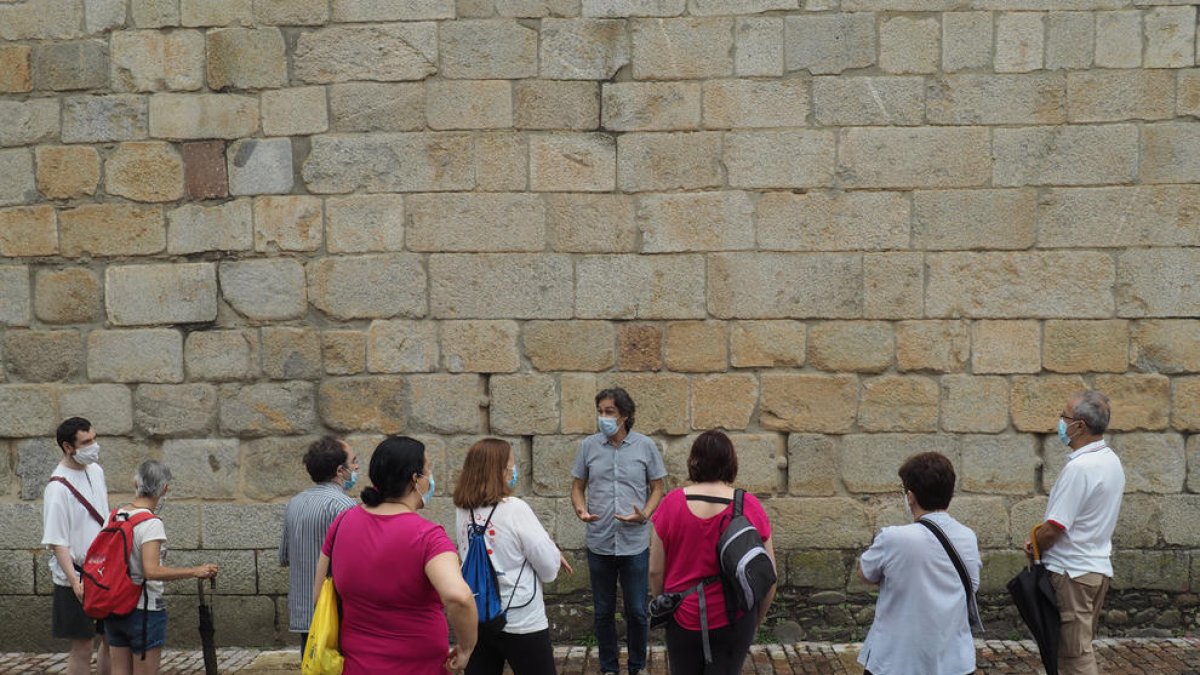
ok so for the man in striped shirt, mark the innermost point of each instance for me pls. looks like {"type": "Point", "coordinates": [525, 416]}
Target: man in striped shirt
{"type": "Point", "coordinates": [334, 468]}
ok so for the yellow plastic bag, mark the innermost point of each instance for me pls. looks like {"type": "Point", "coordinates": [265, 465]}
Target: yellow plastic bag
{"type": "Point", "coordinates": [321, 655]}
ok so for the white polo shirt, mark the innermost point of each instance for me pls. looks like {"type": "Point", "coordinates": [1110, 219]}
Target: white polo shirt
{"type": "Point", "coordinates": [1084, 503]}
{"type": "Point", "coordinates": [920, 625]}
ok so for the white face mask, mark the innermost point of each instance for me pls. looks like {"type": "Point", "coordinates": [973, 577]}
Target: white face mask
{"type": "Point", "coordinates": [88, 454]}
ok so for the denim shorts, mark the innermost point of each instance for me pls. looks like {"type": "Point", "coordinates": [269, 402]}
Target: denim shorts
{"type": "Point", "coordinates": [126, 631]}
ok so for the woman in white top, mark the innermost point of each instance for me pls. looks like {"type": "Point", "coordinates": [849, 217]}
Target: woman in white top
{"type": "Point", "coordinates": [144, 630]}
{"type": "Point", "coordinates": [522, 553]}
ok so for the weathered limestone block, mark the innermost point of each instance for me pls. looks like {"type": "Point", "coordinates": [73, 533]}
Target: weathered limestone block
{"type": "Point", "coordinates": [383, 10]}
{"type": "Point", "coordinates": [171, 293]}
{"type": "Point", "coordinates": [1070, 40]}
{"type": "Point", "coordinates": [43, 355]}
{"type": "Point", "coordinates": [1027, 513]}
{"type": "Point", "coordinates": [1113, 95]}
{"type": "Point", "coordinates": [1138, 401]}
{"type": "Point", "coordinates": [662, 400]}
{"type": "Point", "coordinates": [1065, 155]}
{"type": "Point", "coordinates": [287, 223]}
{"type": "Point", "coordinates": [193, 228]}
{"type": "Point", "coordinates": [175, 409]}
{"type": "Point", "coordinates": [480, 346]}
{"type": "Point", "coordinates": [987, 516]}
{"type": "Point", "coordinates": [639, 347]}
{"type": "Point", "coordinates": [402, 347]}
{"type": "Point", "coordinates": [16, 177]}
{"type": "Point", "coordinates": [475, 222]}
{"type": "Point", "coordinates": [784, 285]}
{"type": "Point", "coordinates": [570, 345]}
{"type": "Point", "coordinates": [703, 221]}
{"type": "Point", "coordinates": [696, 346]}
{"type": "Point", "coordinates": [682, 49]}
{"type": "Point", "coordinates": [28, 231]}
{"type": "Point", "coordinates": [291, 353]}
{"type": "Point", "coordinates": [155, 13]}
{"type": "Point", "coordinates": [1179, 519]}
{"type": "Point", "coordinates": [363, 404]}
{"type": "Point", "coordinates": [268, 408]}
{"type": "Point", "coordinates": [1153, 462]}
{"type": "Point", "coordinates": [216, 12]}
{"type": "Point", "coordinates": [1006, 347]}
{"type": "Point", "coordinates": [446, 404]}
{"type": "Point", "coordinates": [203, 468]}
{"type": "Point", "coordinates": [819, 522]}
{"type": "Point", "coordinates": [552, 104]}
{"type": "Point", "coordinates": [846, 101]}
{"type": "Point", "coordinates": [669, 161]}
{"type": "Point", "coordinates": [869, 462]}
{"type": "Point", "coordinates": [730, 104]}
{"type": "Point", "coordinates": [899, 403]}
{"type": "Point", "coordinates": [221, 356]}
{"type": "Point", "coordinates": [149, 60]}
{"type": "Point", "coordinates": [524, 404]}
{"type": "Point", "coordinates": [64, 66]}
{"type": "Point", "coordinates": [364, 223]}
{"type": "Point", "coordinates": [591, 223]}
{"type": "Point", "coordinates": [15, 64]}
{"type": "Point", "coordinates": [469, 104]}
{"type": "Point", "coordinates": [107, 404]}
{"type": "Point", "coordinates": [1158, 283]}
{"type": "Point", "coordinates": [918, 157]}
{"type": "Point", "coordinates": [298, 111]}
{"type": "Point", "coordinates": [1154, 570]}
{"type": "Point", "coordinates": [1166, 156]}
{"type": "Point", "coordinates": [291, 12]}
{"type": "Point", "coordinates": [1188, 94]}
{"type": "Point", "coordinates": [727, 401]}
{"type": "Point", "coordinates": [1037, 401]}
{"type": "Point", "coordinates": [972, 404]}
{"type": "Point", "coordinates": [856, 346]}
{"type": "Point", "coordinates": [1017, 285]}
{"type": "Point", "coordinates": [1020, 42]}
{"type": "Point", "coordinates": [936, 346]}
{"type": "Point", "coordinates": [1086, 346]}
{"type": "Point", "coordinates": [818, 570]}
{"type": "Point", "coordinates": [71, 295]}
{"type": "Point", "coordinates": [651, 106]}
{"type": "Point", "coordinates": [1166, 346]}
{"type": "Point", "coordinates": [344, 351]}
{"type": "Point", "coordinates": [998, 99]}
{"type": "Point", "coordinates": [368, 286]}
{"type": "Point", "coordinates": [147, 171]}
{"type": "Point", "coordinates": [999, 464]}
{"type": "Point", "coordinates": [780, 159]}
{"type": "Point", "coordinates": [67, 171]}
{"type": "Point", "coordinates": [500, 161]}
{"type": "Point", "coordinates": [270, 289]}
{"type": "Point", "coordinates": [909, 45]}
{"type": "Point", "coordinates": [565, 162]}
{"type": "Point", "coordinates": [633, 7]}
{"type": "Point", "coordinates": [104, 119]}
{"type": "Point", "coordinates": [758, 46]}
{"type": "Point", "coordinates": [583, 49]}
{"type": "Point", "coordinates": [640, 287]}
{"type": "Point", "coordinates": [243, 526]}
{"type": "Point", "coordinates": [1119, 39]}
{"type": "Point", "coordinates": [829, 43]}
{"type": "Point", "coordinates": [1138, 523]}
{"type": "Point", "coordinates": [204, 173]}
{"type": "Point", "coordinates": [831, 221]}
{"type": "Point", "coordinates": [374, 106]}
{"type": "Point", "coordinates": [1170, 37]}
{"type": "Point", "coordinates": [152, 355]}
{"type": "Point", "coordinates": [390, 163]}
{"type": "Point", "coordinates": [500, 286]}
{"type": "Point", "coordinates": [246, 58]}
{"type": "Point", "coordinates": [577, 402]}
{"type": "Point", "coordinates": [966, 40]}
{"type": "Point", "coordinates": [812, 465]}
{"type": "Point", "coordinates": [759, 344]}
{"type": "Point", "coordinates": [1157, 215]}
{"type": "Point", "coordinates": [487, 49]}
{"type": "Point", "coordinates": [974, 219]}
{"type": "Point", "coordinates": [14, 295]}
{"type": "Point", "coordinates": [28, 122]}
{"type": "Point", "coordinates": [553, 457]}
{"type": "Point", "coordinates": [259, 167]}
{"type": "Point", "coordinates": [893, 285]}
{"type": "Point", "coordinates": [814, 403]}
{"type": "Point", "coordinates": [185, 116]}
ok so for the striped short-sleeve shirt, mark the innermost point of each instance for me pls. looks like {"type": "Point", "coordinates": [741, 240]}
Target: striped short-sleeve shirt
{"type": "Point", "coordinates": [305, 522]}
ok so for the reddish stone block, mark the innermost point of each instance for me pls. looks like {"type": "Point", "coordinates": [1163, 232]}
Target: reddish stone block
{"type": "Point", "coordinates": [640, 347]}
{"type": "Point", "coordinates": [204, 170]}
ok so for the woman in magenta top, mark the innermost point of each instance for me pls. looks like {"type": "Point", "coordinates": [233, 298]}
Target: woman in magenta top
{"type": "Point", "coordinates": [395, 571]}
{"type": "Point", "coordinates": [683, 551]}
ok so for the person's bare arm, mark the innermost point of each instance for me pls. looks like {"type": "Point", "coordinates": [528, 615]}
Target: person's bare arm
{"type": "Point", "coordinates": [152, 569]}
{"type": "Point", "coordinates": [1047, 535]}
{"type": "Point", "coordinates": [444, 573]}
{"type": "Point", "coordinates": [770, 597]}
{"type": "Point", "coordinates": [579, 500]}
{"type": "Point", "coordinates": [658, 564]}
{"type": "Point", "coordinates": [319, 577]}
{"type": "Point", "coordinates": [63, 555]}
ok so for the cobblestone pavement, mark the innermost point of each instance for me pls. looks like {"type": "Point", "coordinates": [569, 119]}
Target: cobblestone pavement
{"type": "Point", "coordinates": [1178, 656]}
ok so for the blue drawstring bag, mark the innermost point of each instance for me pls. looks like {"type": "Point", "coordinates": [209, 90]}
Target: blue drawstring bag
{"type": "Point", "coordinates": [481, 577]}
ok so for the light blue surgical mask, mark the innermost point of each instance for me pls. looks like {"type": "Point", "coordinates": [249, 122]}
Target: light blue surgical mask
{"type": "Point", "coordinates": [351, 481]}
{"type": "Point", "coordinates": [429, 493]}
{"type": "Point", "coordinates": [512, 482]}
{"type": "Point", "coordinates": [1062, 432]}
{"type": "Point", "coordinates": [607, 425]}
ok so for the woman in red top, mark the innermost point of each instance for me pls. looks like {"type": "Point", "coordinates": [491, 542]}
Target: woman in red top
{"type": "Point", "coordinates": [683, 551]}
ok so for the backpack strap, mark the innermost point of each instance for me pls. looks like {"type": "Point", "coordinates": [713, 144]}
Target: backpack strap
{"type": "Point", "coordinates": [707, 498]}
{"type": "Point", "coordinates": [972, 609]}
{"type": "Point", "coordinates": [739, 498]}
{"type": "Point", "coordinates": [86, 504]}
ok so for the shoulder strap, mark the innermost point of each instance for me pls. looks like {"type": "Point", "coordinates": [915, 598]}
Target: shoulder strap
{"type": "Point", "coordinates": [739, 497]}
{"type": "Point", "coordinates": [708, 498]}
{"type": "Point", "coordinates": [972, 608]}
{"type": "Point", "coordinates": [86, 504]}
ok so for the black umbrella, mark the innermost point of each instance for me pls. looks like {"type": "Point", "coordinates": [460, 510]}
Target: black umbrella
{"type": "Point", "coordinates": [207, 642]}
{"type": "Point", "coordinates": [1033, 595]}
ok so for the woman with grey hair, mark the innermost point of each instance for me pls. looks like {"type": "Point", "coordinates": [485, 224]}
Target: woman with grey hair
{"type": "Point", "coordinates": [143, 632]}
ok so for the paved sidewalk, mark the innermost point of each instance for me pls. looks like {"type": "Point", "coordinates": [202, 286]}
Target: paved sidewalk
{"type": "Point", "coordinates": [1177, 656]}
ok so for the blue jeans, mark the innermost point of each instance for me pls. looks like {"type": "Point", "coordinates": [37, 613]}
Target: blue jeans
{"type": "Point", "coordinates": [633, 572]}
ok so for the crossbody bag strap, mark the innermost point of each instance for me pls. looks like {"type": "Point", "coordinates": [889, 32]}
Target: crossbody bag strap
{"type": "Point", "coordinates": [78, 495]}
{"type": "Point", "coordinates": [972, 609]}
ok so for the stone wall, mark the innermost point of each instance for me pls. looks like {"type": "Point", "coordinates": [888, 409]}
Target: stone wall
{"type": "Point", "coordinates": [845, 231]}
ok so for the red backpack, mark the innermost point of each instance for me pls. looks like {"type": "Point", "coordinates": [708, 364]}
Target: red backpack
{"type": "Point", "coordinates": [108, 589]}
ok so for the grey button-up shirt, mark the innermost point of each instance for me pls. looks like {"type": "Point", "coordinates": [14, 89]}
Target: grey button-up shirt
{"type": "Point", "coordinates": [305, 521]}
{"type": "Point", "coordinates": [618, 479]}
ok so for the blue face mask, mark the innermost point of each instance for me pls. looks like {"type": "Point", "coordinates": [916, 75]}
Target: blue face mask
{"type": "Point", "coordinates": [429, 493]}
{"type": "Point", "coordinates": [607, 425]}
{"type": "Point", "coordinates": [351, 481]}
{"type": "Point", "coordinates": [1062, 432]}
{"type": "Point", "coordinates": [512, 482]}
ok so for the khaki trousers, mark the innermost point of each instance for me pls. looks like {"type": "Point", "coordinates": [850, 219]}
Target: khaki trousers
{"type": "Point", "coordinates": [1079, 603]}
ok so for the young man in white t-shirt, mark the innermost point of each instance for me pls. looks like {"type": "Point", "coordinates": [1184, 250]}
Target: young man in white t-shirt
{"type": "Point", "coordinates": [74, 507]}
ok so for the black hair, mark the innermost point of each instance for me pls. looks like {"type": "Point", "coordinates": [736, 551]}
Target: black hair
{"type": "Point", "coordinates": [622, 401]}
{"type": "Point", "coordinates": [395, 461]}
{"type": "Point", "coordinates": [930, 477]}
{"type": "Point", "coordinates": [69, 428]}
{"type": "Point", "coordinates": [324, 457]}
{"type": "Point", "coordinates": [712, 458]}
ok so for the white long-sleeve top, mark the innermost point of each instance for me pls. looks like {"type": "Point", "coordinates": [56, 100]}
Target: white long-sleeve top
{"type": "Point", "coordinates": [515, 539]}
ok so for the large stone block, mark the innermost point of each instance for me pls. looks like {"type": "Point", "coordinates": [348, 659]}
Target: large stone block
{"type": "Point", "coordinates": [553, 457]}
{"type": "Point", "coordinates": [813, 403]}
{"type": "Point", "coordinates": [64, 66]}
{"type": "Point", "coordinates": [402, 347]}
{"type": "Point", "coordinates": [1119, 39]}
{"type": "Point", "coordinates": [780, 159]}
{"type": "Point", "coordinates": [246, 58]}
{"type": "Point", "coordinates": [732, 104]}
{"type": "Point", "coordinates": [639, 347]}
{"type": "Point", "coordinates": [480, 346]}
{"type": "Point", "coordinates": [758, 46]}
{"type": "Point", "coordinates": [501, 161]}
{"type": "Point", "coordinates": [368, 286]}
{"type": "Point", "coordinates": [704, 221]}
{"type": "Point", "coordinates": [363, 404]}
{"type": "Point", "coordinates": [987, 516]}
{"type": "Point", "coordinates": [1153, 463]}
{"type": "Point", "coordinates": [344, 351]}
{"type": "Point", "coordinates": [812, 465]}
{"type": "Point", "coordinates": [856, 346]}
{"type": "Point", "coordinates": [662, 400]}
{"type": "Point", "coordinates": [364, 223]}
{"type": "Point", "coordinates": [487, 49]}
{"type": "Point", "coordinates": [14, 295]}
{"type": "Point", "coordinates": [633, 7]}
{"type": "Point", "coordinates": [102, 119]}
{"type": "Point", "coordinates": [577, 402]}
{"type": "Point", "coordinates": [147, 171]}
{"type": "Point", "coordinates": [1017, 285]}
{"type": "Point", "coordinates": [15, 64]}
{"type": "Point", "coordinates": [291, 12]}
{"type": "Point", "coordinates": [501, 285]}
{"type": "Point", "coordinates": [767, 344]}
{"type": "Point", "coordinates": [640, 287]}
{"type": "Point", "coordinates": [591, 223]}
{"type": "Point", "coordinates": [475, 222]}
{"type": "Point", "coordinates": [1157, 215]}
{"type": "Point", "coordinates": [682, 49]}
{"type": "Point", "coordinates": [67, 172]}
{"type": "Point", "coordinates": [193, 228]}
{"type": "Point", "coordinates": [71, 295]}
{"type": "Point", "coordinates": [650, 106]}
{"type": "Point", "coordinates": [372, 106]}
{"type": "Point", "coordinates": [893, 285]}
{"type": "Point", "coordinates": [1020, 42]}
{"type": "Point", "coordinates": [291, 353]}
{"type": "Point", "coordinates": [1070, 40]}
{"type": "Point", "coordinates": [569, 345]}
{"type": "Point", "coordinates": [669, 161]}
{"type": "Point", "coordinates": [298, 111]}
{"type": "Point", "coordinates": [110, 405]}
{"type": "Point", "coordinates": [155, 13]}
{"type": "Point", "coordinates": [1165, 157]}
{"type": "Point", "coordinates": [216, 12]}
{"type": "Point", "coordinates": [524, 404]}
{"type": "Point", "coordinates": [1170, 37]}
{"type": "Point", "coordinates": [268, 408]}
{"type": "Point", "coordinates": [148, 60]}
{"type": "Point", "coordinates": [269, 289]}
{"type": "Point", "coordinates": [696, 346]}
{"type": "Point", "coordinates": [909, 45]}
{"type": "Point", "coordinates": [974, 219]}
{"type": "Point", "coordinates": [288, 223]}
{"type": "Point", "coordinates": [869, 462]}
{"type": "Point", "coordinates": [28, 231]}
{"type": "Point", "coordinates": [565, 162]}
{"type": "Point", "coordinates": [1157, 283]}
{"type": "Point", "coordinates": [221, 356]}
{"type": "Point", "coordinates": [243, 526]}
{"type": "Point", "coordinates": [1166, 346]}
{"type": "Point", "coordinates": [551, 104]}
{"type": "Point", "coordinates": [1138, 401]}
{"type": "Point", "coordinates": [972, 404]}
{"type": "Point", "coordinates": [830, 221]}
{"type": "Point", "coordinates": [918, 157]}
{"type": "Point", "coordinates": [390, 163]}
{"type": "Point", "coordinates": [140, 355]}
{"type": "Point", "coordinates": [1086, 346]}
{"type": "Point", "coordinates": [966, 40]}
{"type": "Point", "coordinates": [1111, 96]}
{"type": "Point", "coordinates": [43, 356]}
{"type": "Point", "coordinates": [999, 464]}
{"type": "Point", "coordinates": [383, 10]}
{"type": "Point", "coordinates": [16, 573]}
{"type": "Point", "coordinates": [111, 230]}
{"type": "Point", "coordinates": [380, 52]}
{"type": "Point", "coordinates": [818, 523]}
{"type": "Point", "coordinates": [138, 295]}
{"type": "Point", "coordinates": [32, 121]}
{"type": "Point", "coordinates": [1179, 519]}
{"type": "Point", "coordinates": [17, 184]}
{"type": "Point", "coordinates": [784, 285]}
{"type": "Point", "coordinates": [899, 403]}
{"type": "Point", "coordinates": [258, 167]}
{"type": "Point", "coordinates": [868, 101]}
{"type": "Point", "coordinates": [1006, 347]}
{"type": "Point", "coordinates": [936, 346]}
{"type": "Point", "coordinates": [1065, 155]}
{"type": "Point", "coordinates": [1138, 523]}
{"type": "Point", "coordinates": [726, 401]}
{"type": "Point", "coordinates": [201, 116]}
{"type": "Point", "coordinates": [1037, 401]}
{"type": "Point", "coordinates": [175, 409]}
{"type": "Point", "coordinates": [829, 43]}
{"type": "Point", "coordinates": [204, 173]}
{"type": "Point", "coordinates": [27, 410]}
{"type": "Point", "coordinates": [446, 404]}
{"type": "Point", "coordinates": [469, 104]}
{"type": "Point", "coordinates": [583, 49]}
{"type": "Point", "coordinates": [998, 99]}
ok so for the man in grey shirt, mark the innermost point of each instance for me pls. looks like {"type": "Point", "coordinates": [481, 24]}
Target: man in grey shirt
{"type": "Point", "coordinates": [617, 485]}
{"type": "Point", "coordinates": [333, 467]}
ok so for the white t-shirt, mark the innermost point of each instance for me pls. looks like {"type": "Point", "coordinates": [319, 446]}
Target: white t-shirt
{"type": "Point", "coordinates": [920, 625]}
{"type": "Point", "coordinates": [66, 522]}
{"type": "Point", "coordinates": [515, 538]}
{"type": "Point", "coordinates": [148, 530]}
{"type": "Point", "coordinates": [1085, 502]}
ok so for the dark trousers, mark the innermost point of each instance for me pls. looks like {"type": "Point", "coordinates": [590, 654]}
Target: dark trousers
{"type": "Point", "coordinates": [527, 654]}
{"type": "Point", "coordinates": [730, 644]}
{"type": "Point", "coordinates": [303, 641]}
{"type": "Point", "coordinates": [633, 573]}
